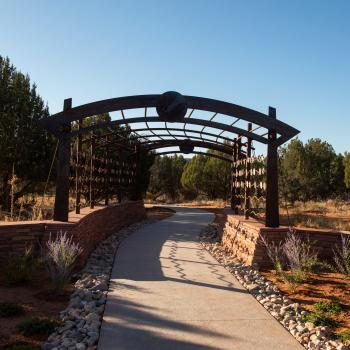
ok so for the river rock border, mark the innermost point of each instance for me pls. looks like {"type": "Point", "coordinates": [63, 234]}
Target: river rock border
{"type": "Point", "coordinates": [283, 309]}
{"type": "Point", "coordinates": [83, 316]}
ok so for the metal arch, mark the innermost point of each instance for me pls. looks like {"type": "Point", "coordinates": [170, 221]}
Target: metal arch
{"type": "Point", "coordinates": [140, 136]}
{"type": "Point", "coordinates": [145, 139]}
{"type": "Point", "coordinates": [214, 125]}
{"type": "Point", "coordinates": [181, 138]}
{"type": "Point", "coordinates": [172, 143]}
{"type": "Point", "coordinates": [213, 155]}
{"type": "Point", "coordinates": [184, 138]}
{"type": "Point", "coordinates": [55, 122]}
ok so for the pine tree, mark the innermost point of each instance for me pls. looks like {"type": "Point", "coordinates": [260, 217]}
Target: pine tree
{"type": "Point", "coordinates": [26, 149]}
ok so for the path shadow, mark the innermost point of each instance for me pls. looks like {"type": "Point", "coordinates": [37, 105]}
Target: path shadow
{"type": "Point", "coordinates": [137, 326]}
{"type": "Point", "coordinates": [130, 323]}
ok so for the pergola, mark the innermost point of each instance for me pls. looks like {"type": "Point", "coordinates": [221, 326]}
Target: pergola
{"type": "Point", "coordinates": [174, 120]}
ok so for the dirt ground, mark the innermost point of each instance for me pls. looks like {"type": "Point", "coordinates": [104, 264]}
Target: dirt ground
{"type": "Point", "coordinates": [39, 301]}
{"type": "Point", "coordinates": [320, 287]}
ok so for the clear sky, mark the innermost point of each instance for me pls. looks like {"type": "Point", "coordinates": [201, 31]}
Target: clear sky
{"type": "Point", "coordinates": [293, 55]}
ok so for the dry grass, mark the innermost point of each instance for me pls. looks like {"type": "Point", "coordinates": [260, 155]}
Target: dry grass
{"type": "Point", "coordinates": [330, 214]}
{"type": "Point", "coordinates": [33, 208]}
{"type": "Point", "coordinates": [202, 203]}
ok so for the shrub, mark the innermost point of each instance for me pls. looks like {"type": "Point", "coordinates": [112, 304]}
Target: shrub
{"type": "Point", "coordinates": [275, 253]}
{"type": "Point", "coordinates": [60, 258]}
{"type": "Point", "coordinates": [8, 309]}
{"type": "Point", "coordinates": [294, 278]}
{"type": "Point", "coordinates": [342, 256]}
{"type": "Point", "coordinates": [344, 336]}
{"type": "Point", "coordinates": [38, 326]}
{"type": "Point", "coordinates": [299, 253]}
{"type": "Point", "coordinates": [294, 254]}
{"type": "Point", "coordinates": [20, 268]}
{"type": "Point", "coordinates": [320, 319]}
{"type": "Point", "coordinates": [328, 307]}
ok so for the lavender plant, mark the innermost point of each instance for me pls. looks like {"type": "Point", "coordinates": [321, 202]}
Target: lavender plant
{"type": "Point", "coordinates": [293, 260]}
{"type": "Point", "coordinates": [275, 253]}
{"type": "Point", "coordinates": [60, 259]}
{"type": "Point", "coordinates": [342, 256]}
{"type": "Point", "coordinates": [299, 253]}
{"type": "Point", "coordinates": [301, 259]}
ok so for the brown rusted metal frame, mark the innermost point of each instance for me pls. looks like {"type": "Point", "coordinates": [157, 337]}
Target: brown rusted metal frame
{"type": "Point", "coordinates": [146, 136]}
{"type": "Point", "coordinates": [153, 119]}
{"type": "Point", "coordinates": [213, 155]}
{"type": "Point", "coordinates": [174, 143]}
{"type": "Point", "coordinates": [277, 133]}
{"type": "Point", "coordinates": [54, 123]}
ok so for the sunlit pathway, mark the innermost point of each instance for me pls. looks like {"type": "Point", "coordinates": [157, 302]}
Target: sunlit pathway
{"type": "Point", "coordinates": [168, 293]}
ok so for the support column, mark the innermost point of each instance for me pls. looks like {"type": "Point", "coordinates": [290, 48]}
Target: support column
{"type": "Point", "coordinates": [233, 175]}
{"type": "Point", "coordinates": [247, 188]}
{"type": "Point", "coordinates": [272, 206]}
{"type": "Point", "coordinates": [61, 207]}
{"type": "Point", "coordinates": [238, 192]}
{"type": "Point", "coordinates": [92, 171]}
{"type": "Point", "coordinates": [107, 175]}
{"type": "Point", "coordinates": [78, 169]}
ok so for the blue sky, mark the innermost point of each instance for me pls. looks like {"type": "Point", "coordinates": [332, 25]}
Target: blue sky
{"type": "Point", "coordinates": [293, 55]}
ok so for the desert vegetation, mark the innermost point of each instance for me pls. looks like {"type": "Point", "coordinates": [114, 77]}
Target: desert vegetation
{"type": "Point", "coordinates": [321, 287]}
{"type": "Point", "coordinates": [33, 289]}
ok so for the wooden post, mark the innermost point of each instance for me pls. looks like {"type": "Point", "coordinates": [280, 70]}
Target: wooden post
{"type": "Point", "coordinates": [247, 189]}
{"type": "Point", "coordinates": [92, 155]}
{"type": "Point", "coordinates": [78, 169]}
{"type": "Point", "coordinates": [238, 157]}
{"type": "Point", "coordinates": [233, 175]}
{"type": "Point", "coordinates": [121, 175]}
{"type": "Point", "coordinates": [107, 175]}
{"type": "Point", "coordinates": [61, 207]}
{"type": "Point", "coordinates": [272, 207]}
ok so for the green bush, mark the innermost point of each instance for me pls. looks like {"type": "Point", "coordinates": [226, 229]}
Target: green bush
{"type": "Point", "coordinates": [20, 268]}
{"type": "Point", "coordinates": [320, 319]}
{"type": "Point", "coordinates": [344, 336]}
{"type": "Point", "coordinates": [8, 309]}
{"type": "Point", "coordinates": [38, 326]}
{"type": "Point", "coordinates": [328, 307]}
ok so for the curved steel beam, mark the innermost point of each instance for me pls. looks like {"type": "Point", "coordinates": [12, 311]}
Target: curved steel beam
{"type": "Point", "coordinates": [212, 155]}
{"type": "Point", "coordinates": [173, 143]}
{"type": "Point", "coordinates": [55, 122]}
{"type": "Point", "coordinates": [193, 121]}
{"type": "Point", "coordinates": [146, 140]}
{"type": "Point", "coordinates": [132, 137]}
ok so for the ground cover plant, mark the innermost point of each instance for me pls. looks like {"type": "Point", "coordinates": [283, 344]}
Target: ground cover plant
{"type": "Point", "coordinates": [9, 309]}
{"type": "Point", "coordinates": [38, 326]}
{"type": "Point", "coordinates": [20, 268]}
{"type": "Point", "coordinates": [321, 288]}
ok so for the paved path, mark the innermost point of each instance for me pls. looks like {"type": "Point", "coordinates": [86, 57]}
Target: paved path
{"type": "Point", "coordinates": [168, 293]}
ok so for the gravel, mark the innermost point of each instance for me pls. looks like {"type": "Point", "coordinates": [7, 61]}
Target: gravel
{"type": "Point", "coordinates": [83, 316]}
{"type": "Point", "coordinates": [284, 310]}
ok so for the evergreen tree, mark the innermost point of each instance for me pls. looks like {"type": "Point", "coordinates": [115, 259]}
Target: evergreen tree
{"type": "Point", "coordinates": [26, 149]}
{"type": "Point", "coordinates": [346, 162]}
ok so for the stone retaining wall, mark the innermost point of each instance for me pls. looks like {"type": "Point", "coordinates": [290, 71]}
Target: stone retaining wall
{"type": "Point", "coordinates": [240, 238]}
{"type": "Point", "coordinates": [88, 228]}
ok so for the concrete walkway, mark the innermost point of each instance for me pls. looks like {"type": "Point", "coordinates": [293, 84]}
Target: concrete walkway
{"type": "Point", "coordinates": [168, 293]}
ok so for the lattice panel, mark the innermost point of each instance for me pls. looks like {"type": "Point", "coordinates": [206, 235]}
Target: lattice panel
{"type": "Point", "coordinates": [98, 177]}
{"type": "Point", "coordinates": [249, 184]}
